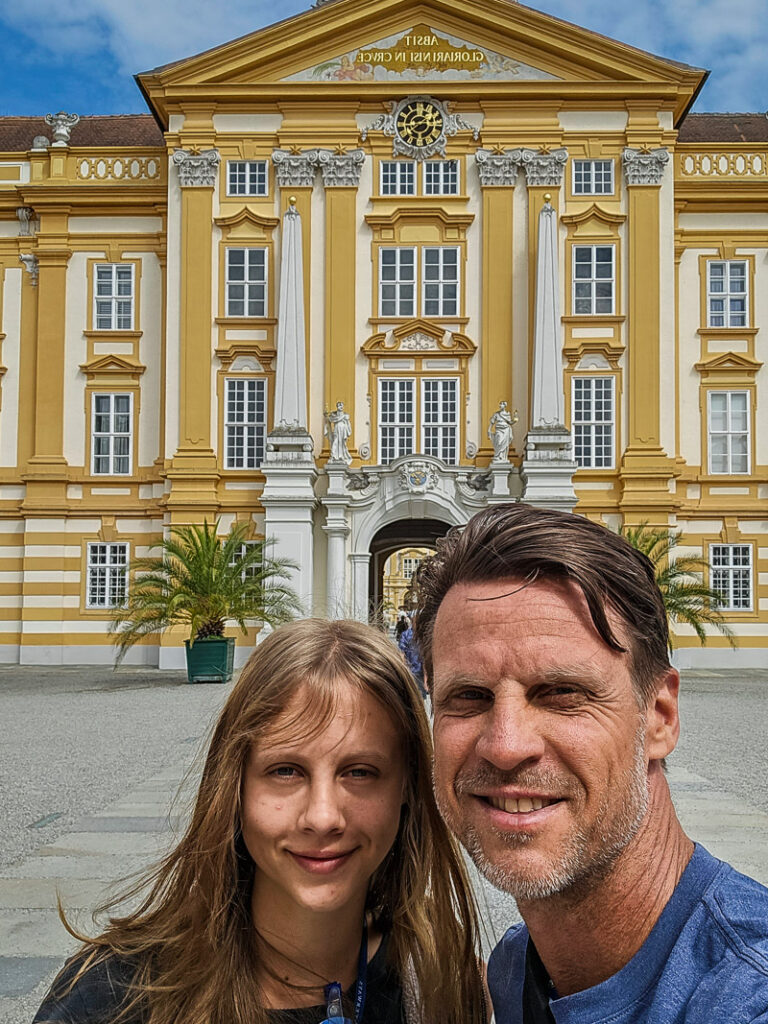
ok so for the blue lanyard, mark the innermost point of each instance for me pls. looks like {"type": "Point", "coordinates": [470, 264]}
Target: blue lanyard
{"type": "Point", "coordinates": [334, 1012]}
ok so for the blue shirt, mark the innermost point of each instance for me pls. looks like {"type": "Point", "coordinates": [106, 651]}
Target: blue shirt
{"type": "Point", "coordinates": [705, 961]}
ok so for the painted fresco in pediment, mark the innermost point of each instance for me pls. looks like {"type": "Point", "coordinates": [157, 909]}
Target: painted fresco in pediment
{"type": "Point", "coordinates": [418, 54]}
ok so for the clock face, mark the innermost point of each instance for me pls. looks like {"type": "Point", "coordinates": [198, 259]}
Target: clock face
{"type": "Point", "coordinates": [419, 123]}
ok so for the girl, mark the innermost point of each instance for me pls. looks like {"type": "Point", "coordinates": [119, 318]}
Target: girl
{"type": "Point", "coordinates": [316, 880]}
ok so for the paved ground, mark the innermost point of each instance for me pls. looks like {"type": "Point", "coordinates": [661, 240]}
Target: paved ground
{"type": "Point", "coordinates": [92, 761]}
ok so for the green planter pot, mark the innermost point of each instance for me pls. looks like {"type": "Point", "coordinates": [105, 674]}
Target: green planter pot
{"type": "Point", "coordinates": [210, 660]}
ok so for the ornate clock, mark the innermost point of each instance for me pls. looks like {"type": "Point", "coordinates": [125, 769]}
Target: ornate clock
{"type": "Point", "coordinates": [419, 123]}
{"type": "Point", "coordinates": [419, 126]}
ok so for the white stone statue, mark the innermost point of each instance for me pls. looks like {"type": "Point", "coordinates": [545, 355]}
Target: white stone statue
{"type": "Point", "coordinates": [62, 125]}
{"type": "Point", "coordinates": [338, 430]}
{"type": "Point", "coordinates": [500, 432]}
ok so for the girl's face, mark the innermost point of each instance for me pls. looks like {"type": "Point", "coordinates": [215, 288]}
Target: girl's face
{"type": "Point", "coordinates": [320, 814]}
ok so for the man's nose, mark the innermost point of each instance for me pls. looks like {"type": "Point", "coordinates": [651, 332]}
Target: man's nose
{"type": "Point", "coordinates": [323, 810]}
{"type": "Point", "coordinates": [511, 734]}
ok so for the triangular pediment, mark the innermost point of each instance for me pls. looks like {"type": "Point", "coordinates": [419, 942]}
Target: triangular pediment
{"type": "Point", "coordinates": [357, 47]}
{"type": "Point", "coordinates": [112, 365]}
{"type": "Point", "coordinates": [729, 362]}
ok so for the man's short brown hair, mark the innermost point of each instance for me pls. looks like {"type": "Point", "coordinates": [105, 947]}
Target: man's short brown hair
{"type": "Point", "coordinates": [522, 542]}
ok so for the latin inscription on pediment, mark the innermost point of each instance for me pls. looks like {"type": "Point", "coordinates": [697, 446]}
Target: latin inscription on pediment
{"type": "Point", "coordinates": [418, 54]}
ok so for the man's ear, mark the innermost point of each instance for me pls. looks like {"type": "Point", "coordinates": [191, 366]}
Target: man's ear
{"type": "Point", "coordinates": [662, 719]}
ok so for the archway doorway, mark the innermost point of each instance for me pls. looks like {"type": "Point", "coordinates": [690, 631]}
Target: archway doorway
{"type": "Point", "coordinates": [411, 539]}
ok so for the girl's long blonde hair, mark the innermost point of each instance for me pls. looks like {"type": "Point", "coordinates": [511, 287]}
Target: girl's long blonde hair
{"type": "Point", "coordinates": [191, 938]}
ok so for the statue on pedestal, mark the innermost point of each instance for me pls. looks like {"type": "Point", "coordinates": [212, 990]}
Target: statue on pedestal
{"type": "Point", "coordinates": [500, 432]}
{"type": "Point", "coordinates": [338, 430]}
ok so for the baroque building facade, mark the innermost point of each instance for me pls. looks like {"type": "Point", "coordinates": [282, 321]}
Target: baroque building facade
{"type": "Point", "coordinates": [356, 276]}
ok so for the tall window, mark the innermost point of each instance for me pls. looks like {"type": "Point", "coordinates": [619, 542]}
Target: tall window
{"type": "Point", "coordinates": [106, 575]}
{"type": "Point", "coordinates": [239, 555]}
{"type": "Point", "coordinates": [441, 177]}
{"type": "Point", "coordinates": [726, 293]}
{"type": "Point", "coordinates": [410, 565]}
{"type": "Point", "coordinates": [245, 422]}
{"type": "Point", "coordinates": [246, 282]}
{"type": "Point", "coordinates": [441, 281]}
{"type": "Point", "coordinates": [397, 419]}
{"type": "Point", "coordinates": [398, 178]}
{"type": "Point", "coordinates": [593, 279]}
{"type": "Point", "coordinates": [593, 421]}
{"type": "Point", "coordinates": [440, 418]}
{"type": "Point", "coordinates": [113, 299]}
{"type": "Point", "coordinates": [246, 177]}
{"type": "Point", "coordinates": [111, 434]}
{"type": "Point", "coordinates": [397, 282]}
{"type": "Point", "coordinates": [731, 575]}
{"type": "Point", "coordinates": [436, 415]}
{"type": "Point", "coordinates": [593, 177]}
{"type": "Point", "coordinates": [728, 423]}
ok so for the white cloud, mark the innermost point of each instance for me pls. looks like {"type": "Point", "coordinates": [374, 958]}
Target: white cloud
{"type": "Point", "coordinates": [728, 36]}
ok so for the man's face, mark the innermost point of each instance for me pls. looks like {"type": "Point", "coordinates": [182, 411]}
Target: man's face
{"type": "Point", "coordinates": [541, 765]}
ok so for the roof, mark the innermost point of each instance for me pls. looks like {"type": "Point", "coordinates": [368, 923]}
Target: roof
{"type": "Point", "coordinates": [17, 133]}
{"type": "Point", "coordinates": [724, 128]}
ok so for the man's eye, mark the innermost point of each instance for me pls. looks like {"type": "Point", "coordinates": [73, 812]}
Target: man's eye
{"type": "Point", "coordinates": [360, 773]}
{"type": "Point", "coordinates": [284, 771]}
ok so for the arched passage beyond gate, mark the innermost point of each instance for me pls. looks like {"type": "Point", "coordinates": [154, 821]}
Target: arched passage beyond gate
{"type": "Point", "coordinates": [402, 533]}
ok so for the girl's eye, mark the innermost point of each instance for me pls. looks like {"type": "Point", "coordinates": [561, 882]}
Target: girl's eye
{"type": "Point", "coordinates": [284, 771]}
{"type": "Point", "coordinates": [360, 773]}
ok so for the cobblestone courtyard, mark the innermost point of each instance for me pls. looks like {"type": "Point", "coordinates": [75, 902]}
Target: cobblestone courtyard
{"type": "Point", "coordinates": [92, 761]}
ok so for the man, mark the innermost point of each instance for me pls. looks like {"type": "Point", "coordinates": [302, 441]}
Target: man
{"type": "Point", "coordinates": [545, 647]}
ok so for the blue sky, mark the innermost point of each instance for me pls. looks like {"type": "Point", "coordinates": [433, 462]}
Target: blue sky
{"type": "Point", "coordinates": [80, 55]}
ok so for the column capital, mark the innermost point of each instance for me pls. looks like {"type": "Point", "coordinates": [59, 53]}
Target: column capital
{"type": "Point", "coordinates": [498, 168]}
{"type": "Point", "coordinates": [644, 166]}
{"type": "Point", "coordinates": [295, 169]}
{"type": "Point", "coordinates": [542, 166]}
{"type": "Point", "coordinates": [31, 266]}
{"type": "Point", "coordinates": [197, 169]}
{"type": "Point", "coordinates": [340, 169]}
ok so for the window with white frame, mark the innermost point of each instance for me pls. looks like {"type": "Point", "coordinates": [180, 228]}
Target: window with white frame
{"type": "Point", "coordinates": [247, 177]}
{"type": "Point", "coordinates": [397, 418]}
{"type": "Point", "coordinates": [440, 418]}
{"type": "Point", "coordinates": [238, 556]}
{"type": "Point", "coordinates": [437, 418]}
{"type": "Point", "coordinates": [245, 422]}
{"type": "Point", "coordinates": [246, 282]}
{"type": "Point", "coordinates": [397, 281]}
{"type": "Point", "coordinates": [730, 569]}
{"type": "Point", "coordinates": [113, 297]}
{"type": "Point", "coordinates": [728, 428]}
{"type": "Point", "coordinates": [593, 279]}
{"type": "Point", "coordinates": [410, 565]}
{"type": "Point", "coordinates": [398, 178]}
{"type": "Point", "coordinates": [726, 293]}
{"type": "Point", "coordinates": [440, 281]}
{"type": "Point", "coordinates": [106, 575]}
{"type": "Point", "coordinates": [593, 421]}
{"type": "Point", "coordinates": [593, 177]}
{"type": "Point", "coordinates": [441, 177]}
{"type": "Point", "coordinates": [111, 434]}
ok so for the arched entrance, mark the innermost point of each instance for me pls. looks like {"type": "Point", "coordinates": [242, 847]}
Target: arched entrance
{"type": "Point", "coordinates": [403, 533]}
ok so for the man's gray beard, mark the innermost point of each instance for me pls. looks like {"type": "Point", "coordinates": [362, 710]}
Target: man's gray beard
{"type": "Point", "coordinates": [576, 868]}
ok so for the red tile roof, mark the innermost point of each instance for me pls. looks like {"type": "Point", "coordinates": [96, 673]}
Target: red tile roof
{"type": "Point", "coordinates": [724, 128]}
{"type": "Point", "coordinates": [17, 133]}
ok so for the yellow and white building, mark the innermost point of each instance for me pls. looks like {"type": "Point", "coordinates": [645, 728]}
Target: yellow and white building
{"type": "Point", "coordinates": [346, 207]}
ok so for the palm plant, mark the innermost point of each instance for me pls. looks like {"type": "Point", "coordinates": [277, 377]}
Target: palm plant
{"type": "Point", "coordinates": [687, 598]}
{"type": "Point", "coordinates": [200, 580]}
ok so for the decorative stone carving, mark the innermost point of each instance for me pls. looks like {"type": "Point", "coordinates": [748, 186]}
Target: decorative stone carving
{"type": "Point", "coordinates": [541, 166]}
{"type": "Point", "coordinates": [197, 168]}
{"type": "Point", "coordinates": [418, 477]}
{"type": "Point", "coordinates": [500, 432]}
{"type": "Point", "coordinates": [62, 125]}
{"type": "Point", "coordinates": [471, 449]}
{"type": "Point", "coordinates": [358, 481]}
{"type": "Point", "coordinates": [418, 342]}
{"type": "Point", "coordinates": [479, 481]}
{"type": "Point", "coordinates": [644, 166]}
{"type": "Point", "coordinates": [497, 169]}
{"type": "Point", "coordinates": [452, 125]}
{"type": "Point", "coordinates": [338, 430]}
{"type": "Point", "coordinates": [339, 169]}
{"type": "Point", "coordinates": [295, 170]}
{"type": "Point", "coordinates": [31, 266]}
{"type": "Point", "coordinates": [26, 217]}
{"type": "Point", "coordinates": [41, 142]}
